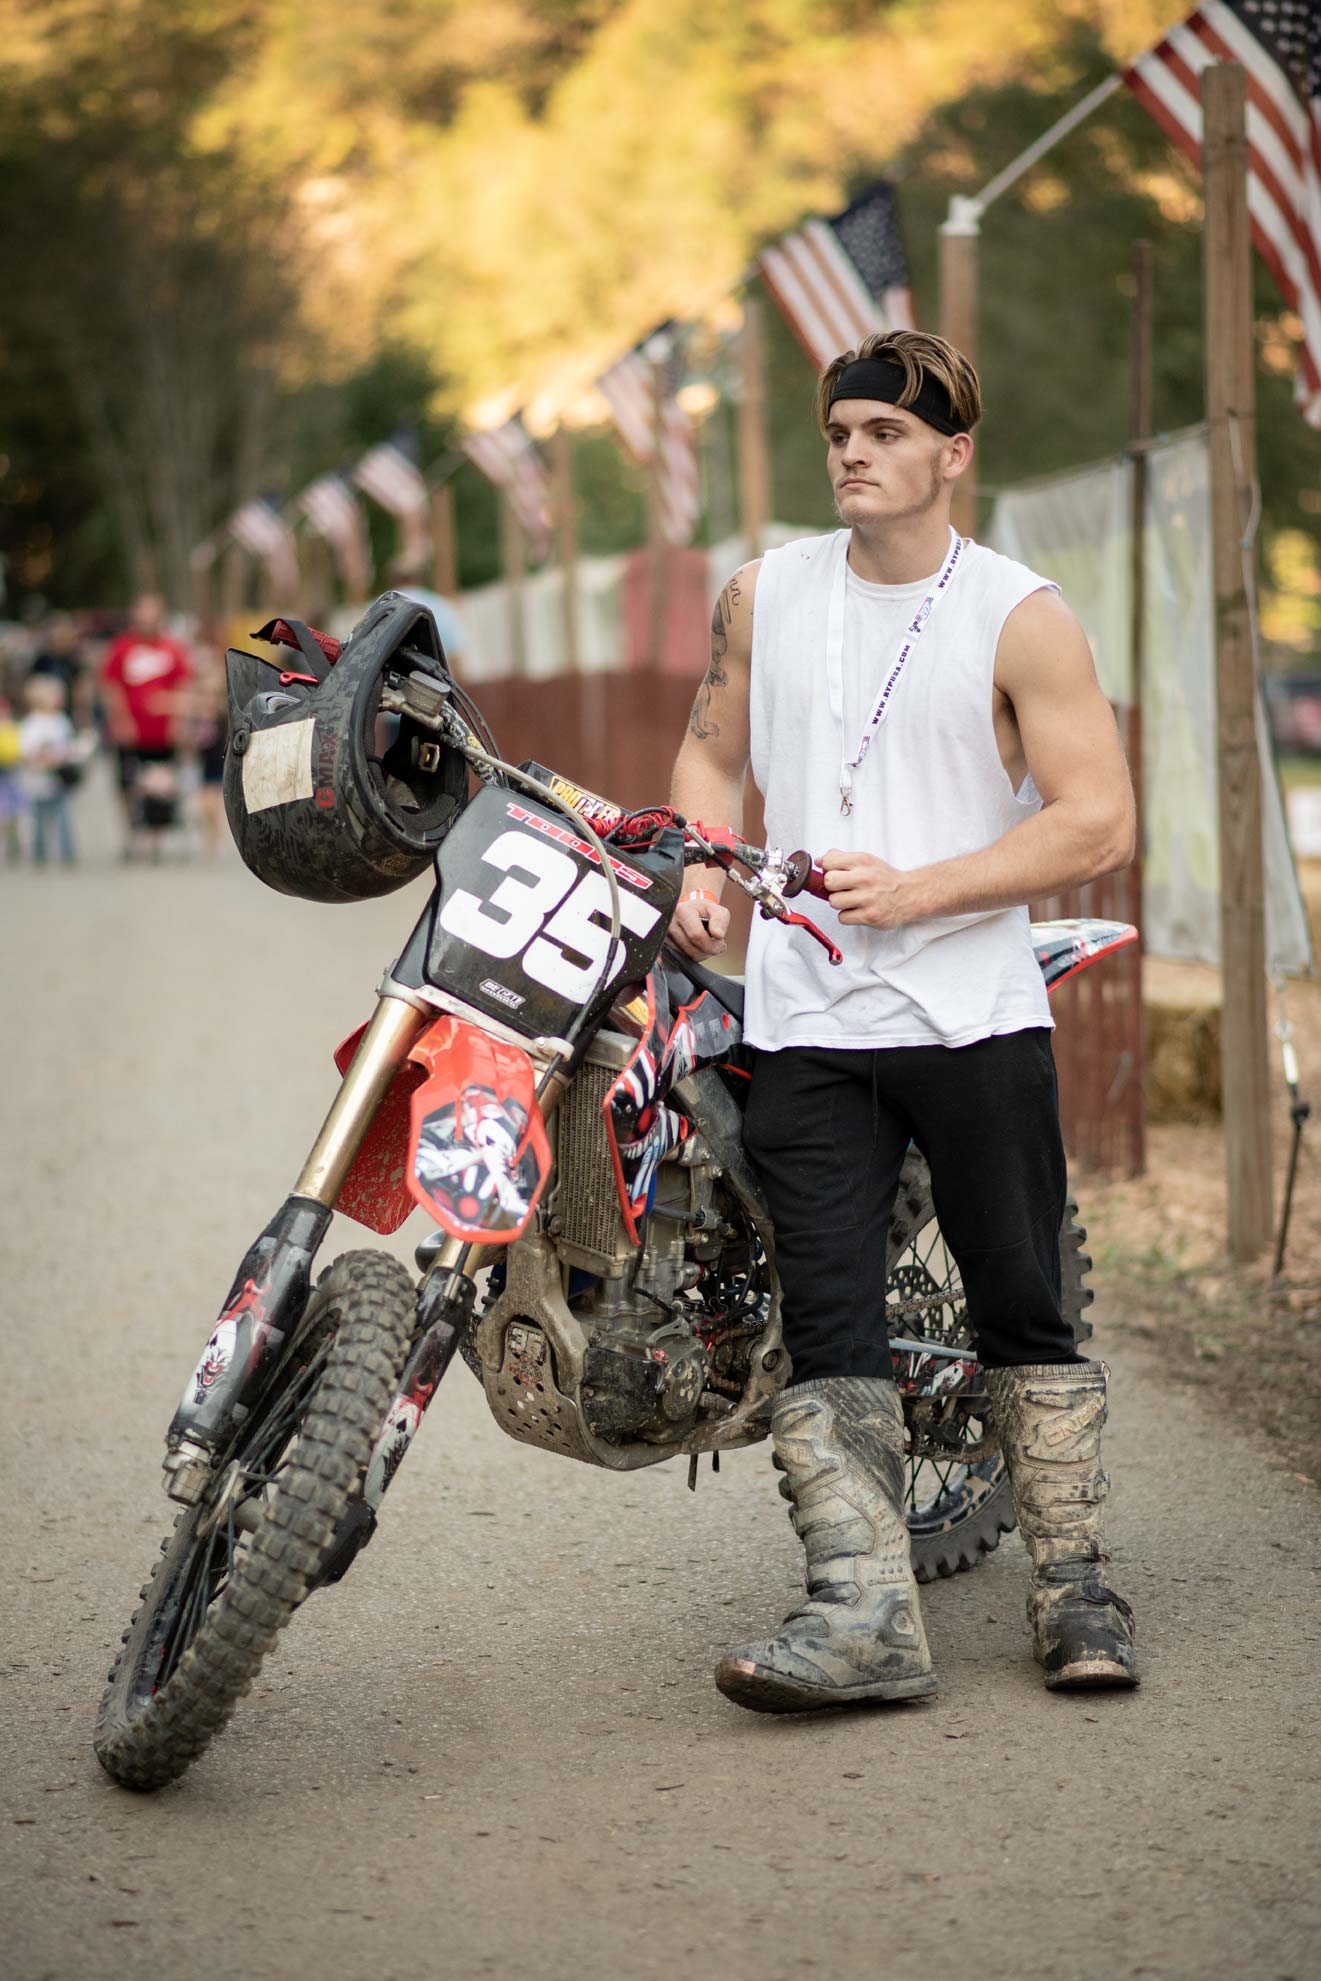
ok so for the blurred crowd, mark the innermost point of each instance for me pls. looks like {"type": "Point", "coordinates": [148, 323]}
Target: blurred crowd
{"type": "Point", "coordinates": [144, 690]}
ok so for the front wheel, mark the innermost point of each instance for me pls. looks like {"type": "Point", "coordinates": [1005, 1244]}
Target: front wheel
{"type": "Point", "coordinates": [959, 1499]}
{"type": "Point", "coordinates": [239, 1563]}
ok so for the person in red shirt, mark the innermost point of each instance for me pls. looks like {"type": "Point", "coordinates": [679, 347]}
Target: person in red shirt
{"type": "Point", "coordinates": [143, 678]}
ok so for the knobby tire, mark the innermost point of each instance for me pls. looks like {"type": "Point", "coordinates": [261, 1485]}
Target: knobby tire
{"type": "Point", "coordinates": [958, 1529]}
{"type": "Point", "coordinates": [358, 1322]}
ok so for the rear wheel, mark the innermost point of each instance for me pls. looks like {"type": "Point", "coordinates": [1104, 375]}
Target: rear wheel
{"type": "Point", "coordinates": [959, 1502]}
{"type": "Point", "coordinates": [238, 1564]}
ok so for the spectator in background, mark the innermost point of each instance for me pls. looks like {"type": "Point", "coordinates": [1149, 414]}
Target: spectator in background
{"type": "Point", "coordinates": [46, 739]}
{"type": "Point", "coordinates": [144, 678]}
{"type": "Point", "coordinates": [11, 791]}
{"type": "Point", "coordinates": [60, 657]}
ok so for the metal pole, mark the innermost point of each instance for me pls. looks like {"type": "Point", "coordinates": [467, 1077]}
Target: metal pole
{"type": "Point", "coordinates": [1139, 431]}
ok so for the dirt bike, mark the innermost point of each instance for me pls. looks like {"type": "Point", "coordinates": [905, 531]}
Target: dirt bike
{"type": "Point", "coordinates": [561, 1094]}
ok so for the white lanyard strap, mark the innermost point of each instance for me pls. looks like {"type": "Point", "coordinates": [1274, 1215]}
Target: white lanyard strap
{"type": "Point", "coordinates": [913, 632]}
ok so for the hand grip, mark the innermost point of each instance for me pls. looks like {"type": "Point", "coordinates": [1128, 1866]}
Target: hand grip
{"type": "Point", "coordinates": [804, 876]}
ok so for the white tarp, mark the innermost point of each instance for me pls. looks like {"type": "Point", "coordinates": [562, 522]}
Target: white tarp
{"type": "Point", "coordinates": [1074, 529]}
{"type": "Point", "coordinates": [486, 613]}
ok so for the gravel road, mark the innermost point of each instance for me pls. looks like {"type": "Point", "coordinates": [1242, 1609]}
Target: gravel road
{"type": "Point", "coordinates": [495, 1749]}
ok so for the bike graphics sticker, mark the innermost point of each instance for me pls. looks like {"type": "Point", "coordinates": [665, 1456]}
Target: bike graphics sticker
{"type": "Point", "coordinates": [1062, 948]}
{"type": "Point", "coordinates": [219, 1352]}
{"type": "Point", "coordinates": [475, 1160]}
{"type": "Point", "coordinates": [640, 1128]}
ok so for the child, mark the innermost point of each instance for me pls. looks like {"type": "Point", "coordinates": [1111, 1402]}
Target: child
{"type": "Point", "coordinates": [11, 797]}
{"type": "Point", "coordinates": [46, 740]}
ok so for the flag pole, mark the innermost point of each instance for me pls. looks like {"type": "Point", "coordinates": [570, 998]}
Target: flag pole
{"type": "Point", "coordinates": [959, 236]}
{"type": "Point", "coordinates": [444, 545]}
{"type": "Point", "coordinates": [1047, 142]}
{"type": "Point", "coordinates": [566, 539]}
{"type": "Point", "coordinates": [754, 455]}
{"type": "Point", "coordinates": [514, 556]}
{"type": "Point", "coordinates": [1231, 418]}
{"type": "Point", "coordinates": [657, 548]}
{"type": "Point", "coordinates": [959, 241]}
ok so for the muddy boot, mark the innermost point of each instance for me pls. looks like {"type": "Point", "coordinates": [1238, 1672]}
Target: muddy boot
{"type": "Point", "coordinates": [1049, 1419]}
{"type": "Point", "coordinates": [859, 1635]}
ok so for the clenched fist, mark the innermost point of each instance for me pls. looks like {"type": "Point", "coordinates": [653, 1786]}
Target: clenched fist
{"type": "Point", "coordinates": [699, 926]}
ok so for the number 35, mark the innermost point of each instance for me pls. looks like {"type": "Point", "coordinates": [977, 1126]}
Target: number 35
{"type": "Point", "coordinates": [533, 917]}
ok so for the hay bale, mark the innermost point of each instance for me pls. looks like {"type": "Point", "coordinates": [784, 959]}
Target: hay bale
{"type": "Point", "coordinates": [1183, 1060]}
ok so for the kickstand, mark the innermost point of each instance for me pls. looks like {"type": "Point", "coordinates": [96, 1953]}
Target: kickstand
{"type": "Point", "coordinates": [692, 1468]}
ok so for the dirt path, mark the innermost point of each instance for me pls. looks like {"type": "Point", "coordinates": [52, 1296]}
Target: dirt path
{"type": "Point", "coordinates": [495, 1749]}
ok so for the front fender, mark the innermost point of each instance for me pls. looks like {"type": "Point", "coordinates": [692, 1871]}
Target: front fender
{"type": "Point", "coordinates": [478, 1156]}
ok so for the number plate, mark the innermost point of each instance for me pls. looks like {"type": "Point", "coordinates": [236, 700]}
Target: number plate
{"type": "Point", "coordinates": [521, 921]}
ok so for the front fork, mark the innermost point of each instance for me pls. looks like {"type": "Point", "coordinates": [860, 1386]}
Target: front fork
{"type": "Point", "coordinates": [270, 1291]}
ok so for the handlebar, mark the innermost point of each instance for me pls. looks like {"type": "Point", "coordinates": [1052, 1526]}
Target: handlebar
{"type": "Point", "coordinates": [776, 877]}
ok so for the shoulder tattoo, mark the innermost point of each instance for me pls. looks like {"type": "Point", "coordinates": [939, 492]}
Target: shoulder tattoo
{"type": "Point", "coordinates": [700, 722]}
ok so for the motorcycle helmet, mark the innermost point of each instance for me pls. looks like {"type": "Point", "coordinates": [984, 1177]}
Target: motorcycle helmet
{"type": "Point", "coordinates": [326, 797]}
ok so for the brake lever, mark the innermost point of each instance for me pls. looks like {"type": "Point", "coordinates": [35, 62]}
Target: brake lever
{"type": "Point", "coordinates": [793, 920]}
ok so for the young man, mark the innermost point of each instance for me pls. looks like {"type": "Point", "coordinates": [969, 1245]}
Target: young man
{"type": "Point", "coordinates": [924, 715]}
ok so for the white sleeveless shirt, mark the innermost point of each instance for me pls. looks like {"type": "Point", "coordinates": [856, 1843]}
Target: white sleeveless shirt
{"type": "Point", "coordinates": [930, 788]}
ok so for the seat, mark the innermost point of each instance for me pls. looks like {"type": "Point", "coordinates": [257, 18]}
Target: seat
{"type": "Point", "coordinates": [727, 991]}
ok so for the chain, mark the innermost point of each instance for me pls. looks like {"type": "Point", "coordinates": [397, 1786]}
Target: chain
{"type": "Point", "coordinates": [902, 1310]}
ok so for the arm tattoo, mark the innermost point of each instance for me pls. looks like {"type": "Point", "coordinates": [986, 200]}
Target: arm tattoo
{"type": "Point", "coordinates": [699, 722]}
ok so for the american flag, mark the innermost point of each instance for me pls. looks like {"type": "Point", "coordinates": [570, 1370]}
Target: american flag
{"type": "Point", "coordinates": [390, 475]}
{"type": "Point", "coordinates": [838, 281]}
{"type": "Point", "coordinates": [508, 457]}
{"type": "Point", "coordinates": [1278, 43]}
{"type": "Point", "coordinates": [260, 529]}
{"type": "Point", "coordinates": [332, 509]}
{"type": "Point", "coordinates": [629, 388]}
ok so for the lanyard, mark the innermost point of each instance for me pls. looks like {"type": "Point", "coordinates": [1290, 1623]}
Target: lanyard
{"type": "Point", "coordinates": [913, 632]}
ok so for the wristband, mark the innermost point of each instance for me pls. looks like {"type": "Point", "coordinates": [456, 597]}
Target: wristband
{"type": "Point", "coordinates": [702, 894]}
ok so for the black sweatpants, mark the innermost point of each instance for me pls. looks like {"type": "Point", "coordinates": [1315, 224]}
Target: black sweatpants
{"type": "Point", "coordinates": [828, 1131]}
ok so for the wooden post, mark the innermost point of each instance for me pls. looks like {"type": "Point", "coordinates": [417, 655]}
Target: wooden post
{"type": "Point", "coordinates": [316, 573]}
{"type": "Point", "coordinates": [657, 543]}
{"type": "Point", "coordinates": [1139, 433]}
{"type": "Point", "coordinates": [754, 454]}
{"type": "Point", "coordinates": [231, 591]}
{"type": "Point", "coordinates": [959, 238]}
{"type": "Point", "coordinates": [444, 543]}
{"type": "Point", "coordinates": [1230, 411]}
{"type": "Point", "coordinates": [513, 546]}
{"type": "Point", "coordinates": [566, 539]}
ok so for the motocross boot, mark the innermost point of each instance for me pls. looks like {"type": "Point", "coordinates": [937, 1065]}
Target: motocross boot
{"type": "Point", "coordinates": [1049, 1418]}
{"type": "Point", "coordinates": [859, 1636]}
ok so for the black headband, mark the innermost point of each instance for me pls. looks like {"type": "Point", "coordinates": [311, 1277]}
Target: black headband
{"type": "Point", "coordinates": [882, 378]}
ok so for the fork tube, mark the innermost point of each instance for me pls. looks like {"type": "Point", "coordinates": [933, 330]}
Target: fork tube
{"type": "Point", "coordinates": [381, 1052]}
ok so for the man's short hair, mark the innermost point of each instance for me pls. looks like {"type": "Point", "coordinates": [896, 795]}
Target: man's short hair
{"type": "Point", "coordinates": [921, 356]}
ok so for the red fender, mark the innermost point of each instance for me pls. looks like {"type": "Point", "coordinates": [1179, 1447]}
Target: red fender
{"type": "Point", "coordinates": [460, 1093]}
{"type": "Point", "coordinates": [1064, 948]}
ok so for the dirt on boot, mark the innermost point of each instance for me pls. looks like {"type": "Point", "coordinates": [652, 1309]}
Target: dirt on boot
{"type": "Point", "coordinates": [859, 1636]}
{"type": "Point", "coordinates": [1049, 1417]}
